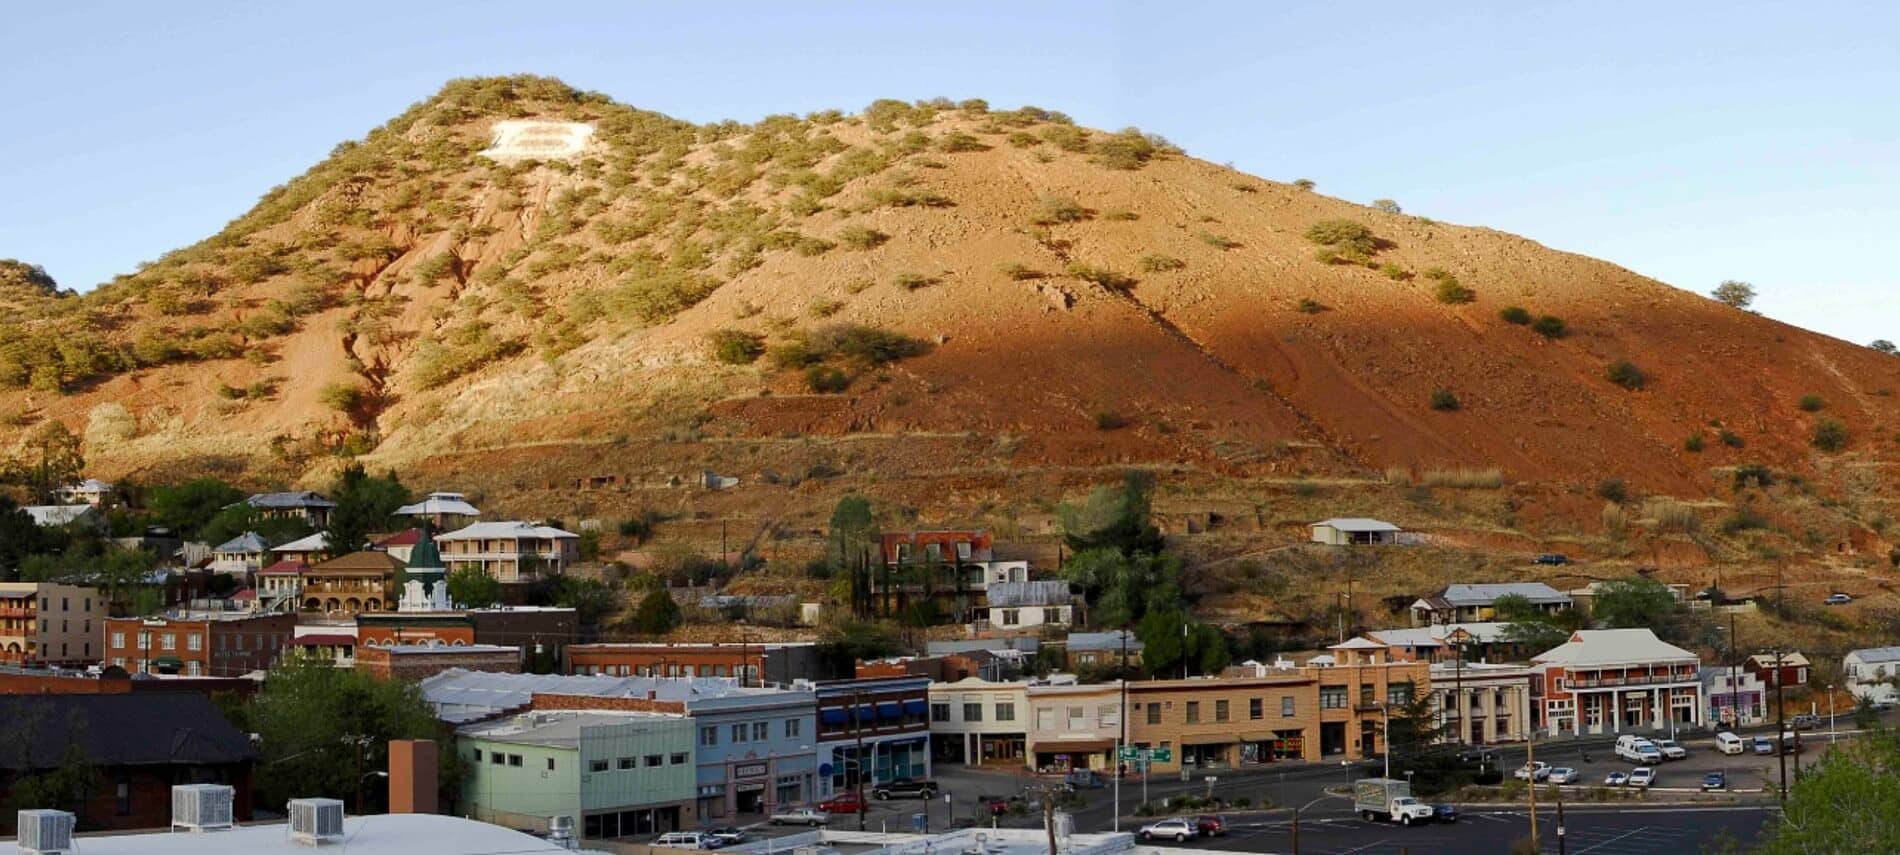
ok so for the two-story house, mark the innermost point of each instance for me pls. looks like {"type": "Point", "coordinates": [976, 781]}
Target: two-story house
{"type": "Point", "coordinates": [1475, 603]}
{"type": "Point", "coordinates": [877, 728]}
{"type": "Point", "coordinates": [974, 722]}
{"type": "Point", "coordinates": [511, 552]}
{"type": "Point", "coordinates": [1605, 681]}
{"type": "Point", "coordinates": [312, 508]}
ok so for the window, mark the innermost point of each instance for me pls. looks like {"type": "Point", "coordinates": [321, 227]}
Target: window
{"type": "Point", "coordinates": [1366, 695]}
{"type": "Point", "coordinates": [1052, 616]}
{"type": "Point", "coordinates": [1332, 697]}
{"type": "Point", "coordinates": [88, 604]}
{"type": "Point", "coordinates": [963, 550]}
{"type": "Point", "coordinates": [738, 733]}
{"type": "Point", "coordinates": [1286, 707]}
{"type": "Point", "coordinates": [64, 604]}
{"type": "Point", "coordinates": [118, 640]}
{"type": "Point", "coordinates": [478, 755]}
{"type": "Point", "coordinates": [145, 641]}
{"type": "Point", "coordinates": [1154, 713]}
{"type": "Point", "coordinates": [792, 728]}
{"type": "Point", "coordinates": [194, 642]}
{"type": "Point", "coordinates": [679, 758]}
{"type": "Point", "coordinates": [939, 712]}
{"type": "Point", "coordinates": [497, 759]}
{"type": "Point", "coordinates": [903, 552]}
{"type": "Point", "coordinates": [596, 765]}
{"type": "Point", "coordinates": [168, 641]}
{"type": "Point", "coordinates": [550, 764]}
{"type": "Point", "coordinates": [972, 712]}
{"type": "Point", "coordinates": [514, 760]}
{"type": "Point", "coordinates": [1220, 710]}
{"type": "Point", "coordinates": [709, 736]}
{"type": "Point", "coordinates": [1255, 708]}
{"type": "Point", "coordinates": [192, 668]}
{"type": "Point", "coordinates": [1005, 712]}
{"type": "Point", "coordinates": [626, 763]}
{"type": "Point", "coordinates": [1399, 693]}
{"type": "Point", "coordinates": [1045, 718]}
{"type": "Point", "coordinates": [1011, 617]}
{"type": "Point", "coordinates": [64, 626]}
{"type": "Point", "coordinates": [1075, 717]}
{"type": "Point", "coordinates": [761, 731]}
{"type": "Point", "coordinates": [934, 552]}
{"type": "Point", "coordinates": [1193, 712]}
{"type": "Point", "coordinates": [123, 792]}
{"type": "Point", "coordinates": [655, 760]}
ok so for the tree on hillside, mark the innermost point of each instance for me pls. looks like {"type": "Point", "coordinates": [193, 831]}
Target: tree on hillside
{"type": "Point", "coordinates": [20, 536]}
{"type": "Point", "coordinates": [48, 458]}
{"type": "Point", "coordinates": [1120, 588]}
{"type": "Point", "coordinates": [1884, 346]}
{"type": "Point", "coordinates": [1848, 802]}
{"type": "Point", "coordinates": [1170, 636]}
{"type": "Point", "coordinates": [1531, 627]}
{"type": "Point", "coordinates": [1634, 602]}
{"type": "Point", "coordinates": [473, 588]}
{"type": "Point", "coordinates": [240, 518]}
{"type": "Point", "coordinates": [657, 613]}
{"type": "Point", "coordinates": [852, 548]}
{"type": "Point", "coordinates": [1734, 292]}
{"type": "Point", "coordinates": [1114, 517]}
{"type": "Point", "coordinates": [321, 728]}
{"type": "Point", "coordinates": [186, 508]}
{"type": "Point", "coordinates": [364, 505]}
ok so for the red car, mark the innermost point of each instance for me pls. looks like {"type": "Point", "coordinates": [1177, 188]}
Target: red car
{"type": "Point", "coordinates": [1211, 825]}
{"type": "Point", "coordinates": [843, 803]}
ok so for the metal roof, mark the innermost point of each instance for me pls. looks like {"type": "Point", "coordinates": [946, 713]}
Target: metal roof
{"type": "Point", "coordinates": [52, 515]}
{"type": "Point", "coordinates": [300, 499]}
{"type": "Point", "coordinates": [1356, 524]}
{"type": "Point", "coordinates": [1103, 641]}
{"type": "Point", "coordinates": [1876, 654]}
{"type": "Point", "coordinates": [1588, 647]}
{"type": "Point", "coordinates": [1488, 593]}
{"type": "Point", "coordinates": [246, 543]}
{"type": "Point", "coordinates": [451, 504]}
{"type": "Point", "coordinates": [504, 530]}
{"type": "Point", "coordinates": [318, 542]}
{"type": "Point", "coordinates": [1048, 592]}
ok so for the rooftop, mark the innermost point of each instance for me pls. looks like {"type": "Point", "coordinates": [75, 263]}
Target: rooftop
{"type": "Point", "coordinates": [1477, 632]}
{"type": "Point", "coordinates": [1876, 654]}
{"type": "Point", "coordinates": [454, 504]}
{"type": "Point", "coordinates": [1588, 647]}
{"type": "Point", "coordinates": [459, 694]}
{"type": "Point", "coordinates": [1111, 640]}
{"type": "Point", "coordinates": [386, 834]}
{"type": "Point", "coordinates": [161, 728]}
{"type": "Point", "coordinates": [52, 515]}
{"type": "Point", "coordinates": [418, 649]}
{"type": "Point", "coordinates": [366, 562]}
{"type": "Point", "coordinates": [299, 499]}
{"type": "Point", "coordinates": [505, 530]}
{"type": "Point", "coordinates": [246, 543]}
{"type": "Point", "coordinates": [1051, 592]}
{"type": "Point", "coordinates": [555, 728]}
{"type": "Point", "coordinates": [1486, 594]}
{"type": "Point", "coordinates": [1356, 524]}
{"type": "Point", "coordinates": [319, 542]}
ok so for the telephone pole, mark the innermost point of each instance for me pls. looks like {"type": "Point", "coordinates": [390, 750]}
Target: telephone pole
{"type": "Point", "coordinates": [857, 719]}
{"type": "Point", "coordinates": [1781, 727]}
{"type": "Point", "coordinates": [1121, 741]}
{"type": "Point", "coordinates": [1530, 765]}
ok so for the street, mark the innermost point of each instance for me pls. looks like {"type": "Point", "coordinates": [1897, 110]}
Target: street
{"type": "Point", "coordinates": [1596, 829]}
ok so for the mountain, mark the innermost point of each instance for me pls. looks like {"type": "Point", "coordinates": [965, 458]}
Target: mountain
{"type": "Point", "coordinates": [969, 308]}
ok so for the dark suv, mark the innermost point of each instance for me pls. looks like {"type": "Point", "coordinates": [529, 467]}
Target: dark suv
{"type": "Point", "coordinates": [904, 788]}
{"type": "Point", "coordinates": [1552, 558]}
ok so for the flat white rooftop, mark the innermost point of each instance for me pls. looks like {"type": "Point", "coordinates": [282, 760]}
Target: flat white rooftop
{"type": "Point", "coordinates": [391, 834]}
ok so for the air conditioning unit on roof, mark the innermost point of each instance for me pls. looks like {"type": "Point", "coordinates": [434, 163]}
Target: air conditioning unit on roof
{"type": "Point", "coordinates": [201, 807]}
{"type": "Point", "coordinates": [315, 820]}
{"type": "Point", "coordinates": [45, 832]}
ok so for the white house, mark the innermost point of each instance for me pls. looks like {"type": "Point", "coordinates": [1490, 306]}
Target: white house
{"type": "Point", "coordinates": [1018, 605]}
{"type": "Point", "coordinates": [1737, 697]}
{"type": "Point", "coordinates": [1354, 531]}
{"type": "Point", "coordinates": [1872, 672]}
{"type": "Point", "coordinates": [91, 491]}
{"type": "Point", "coordinates": [243, 554]}
{"type": "Point", "coordinates": [1482, 703]}
{"type": "Point", "coordinates": [1470, 603]}
{"type": "Point", "coordinates": [54, 516]}
{"type": "Point", "coordinates": [1605, 681]}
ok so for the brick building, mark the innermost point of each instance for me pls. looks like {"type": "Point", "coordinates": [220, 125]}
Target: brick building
{"type": "Point", "coordinates": [772, 662]}
{"type": "Point", "coordinates": [45, 623]}
{"type": "Point", "coordinates": [349, 584]}
{"type": "Point", "coordinates": [888, 716]}
{"type": "Point", "coordinates": [421, 661]}
{"type": "Point", "coordinates": [542, 633]}
{"type": "Point", "coordinates": [1605, 681]}
{"type": "Point", "coordinates": [1226, 721]}
{"type": "Point", "coordinates": [211, 644]}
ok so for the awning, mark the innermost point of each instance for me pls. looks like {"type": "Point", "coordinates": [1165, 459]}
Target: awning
{"type": "Point", "coordinates": [1259, 736]}
{"type": "Point", "coordinates": [890, 710]}
{"type": "Point", "coordinates": [1074, 746]}
{"type": "Point", "coordinates": [1209, 739]}
{"type": "Point", "coordinates": [867, 712]}
{"type": "Point", "coordinates": [917, 707]}
{"type": "Point", "coordinates": [168, 662]}
{"type": "Point", "coordinates": [833, 716]}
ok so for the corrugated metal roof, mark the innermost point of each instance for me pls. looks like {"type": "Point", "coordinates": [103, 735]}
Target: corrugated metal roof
{"type": "Point", "coordinates": [1048, 592]}
{"type": "Point", "coordinates": [1356, 524]}
{"type": "Point", "coordinates": [1876, 654]}
{"type": "Point", "coordinates": [1488, 593]}
{"type": "Point", "coordinates": [1103, 641]}
{"type": "Point", "coordinates": [502, 530]}
{"type": "Point", "coordinates": [1612, 647]}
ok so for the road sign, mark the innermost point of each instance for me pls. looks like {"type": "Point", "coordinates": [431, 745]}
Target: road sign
{"type": "Point", "coordinates": [1128, 752]}
{"type": "Point", "coordinates": [1161, 755]}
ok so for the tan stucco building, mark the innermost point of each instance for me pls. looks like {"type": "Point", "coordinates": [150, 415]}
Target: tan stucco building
{"type": "Point", "coordinates": [47, 623]}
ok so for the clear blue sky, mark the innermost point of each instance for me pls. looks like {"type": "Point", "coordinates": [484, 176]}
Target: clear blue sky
{"type": "Point", "coordinates": [1692, 142]}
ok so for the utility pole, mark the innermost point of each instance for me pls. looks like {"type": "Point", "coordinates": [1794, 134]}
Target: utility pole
{"type": "Point", "coordinates": [1561, 848]}
{"type": "Point", "coordinates": [857, 720]}
{"type": "Point", "coordinates": [1734, 661]}
{"type": "Point", "coordinates": [1458, 680]}
{"type": "Point", "coordinates": [1781, 751]}
{"type": "Point", "coordinates": [1121, 741]}
{"type": "Point", "coordinates": [1184, 650]}
{"type": "Point", "coordinates": [1530, 763]}
{"type": "Point", "coordinates": [1296, 831]}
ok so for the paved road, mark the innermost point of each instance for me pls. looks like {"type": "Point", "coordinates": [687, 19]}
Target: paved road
{"type": "Point", "coordinates": [1595, 830]}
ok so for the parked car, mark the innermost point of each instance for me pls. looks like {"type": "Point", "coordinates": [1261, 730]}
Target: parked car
{"type": "Point", "coordinates": [1763, 745]}
{"type": "Point", "coordinates": [1729, 743]}
{"type": "Point", "coordinates": [730, 835]}
{"type": "Point", "coordinates": [1552, 558]}
{"type": "Point", "coordinates": [686, 840]}
{"type": "Point", "coordinates": [1671, 750]}
{"type": "Point", "coordinates": [800, 816]}
{"type": "Point", "coordinates": [1177, 830]}
{"type": "Point", "coordinates": [1211, 825]}
{"type": "Point", "coordinates": [1715, 781]}
{"type": "Point", "coordinates": [1837, 600]}
{"type": "Point", "coordinates": [1534, 771]}
{"type": "Point", "coordinates": [1636, 749]}
{"type": "Point", "coordinates": [1616, 779]}
{"type": "Point", "coordinates": [1563, 775]}
{"type": "Point", "coordinates": [904, 788]}
{"type": "Point", "coordinates": [1804, 721]}
{"type": "Point", "coordinates": [1642, 776]}
{"type": "Point", "coordinates": [844, 803]}
{"type": "Point", "coordinates": [1445, 813]}
{"type": "Point", "coordinates": [1083, 779]}
{"type": "Point", "coordinates": [997, 805]}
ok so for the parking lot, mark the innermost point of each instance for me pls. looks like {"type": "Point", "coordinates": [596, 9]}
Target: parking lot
{"type": "Point", "coordinates": [1747, 772]}
{"type": "Point", "coordinates": [1592, 830]}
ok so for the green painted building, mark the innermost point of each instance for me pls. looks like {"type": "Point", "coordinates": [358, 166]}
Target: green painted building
{"type": "Point", "coordinates": [618, 774]}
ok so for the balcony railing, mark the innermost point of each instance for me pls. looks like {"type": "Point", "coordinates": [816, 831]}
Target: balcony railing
{"type": "Point", "coordinates": [1622, 682]}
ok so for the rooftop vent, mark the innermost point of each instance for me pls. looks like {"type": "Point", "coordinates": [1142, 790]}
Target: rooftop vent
{"type": "Point", "coordinates": [315, 821]}
{"type": "Point", "coordinates": [45, 832]}
{"type": "Point", "coordinates": [201, 807]}
{"type": "Point", "coordinates": [561, 831]}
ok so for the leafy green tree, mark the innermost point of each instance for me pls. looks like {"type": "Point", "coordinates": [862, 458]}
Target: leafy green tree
{"type": "Point", "coordinates": [1734, 292]}
{"type": "Point", "coordinates": [48, 458]}
{"type": "Point", "coordinates": [657, 613]}
{"type": "Point", "coordinates": [1866, 715]}
{"type": "Point", "coordinates": [591, 599]}
{"type": "Point", "coordinates": [472, 587]}
{"type": "Point", "coordinates": [1113, 517]}
{"type": "Point", "coordinates": [187, 508]}
{"type": "Point", "coordinates": [1531, 627]}
{"type": "Point", "coordinates": [1169, 637]}
{"type": "Point", "coordinates": [64, 787]}
{"type": "Point", "coordinates": [1633, 602]}
{"type": "Point", "coordinates": [1848, 802]}
{"type": "Point", "coordinates": [321, 728]}
{"type": "Point", "coordinates": [19, 536]}
{"type": "Point", "coordinates": [364, 505]}
{"type": "Point", "coordinates": [843, 645]}
{"type": "Point", "coordinates": [240, 518]}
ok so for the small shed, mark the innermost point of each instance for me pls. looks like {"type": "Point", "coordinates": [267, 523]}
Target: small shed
{"type": "Point", "coordinates": [1355, 531]}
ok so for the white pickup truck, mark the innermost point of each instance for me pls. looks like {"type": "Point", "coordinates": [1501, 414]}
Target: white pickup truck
{"type": "Point", "coordinates": [1388, 798]}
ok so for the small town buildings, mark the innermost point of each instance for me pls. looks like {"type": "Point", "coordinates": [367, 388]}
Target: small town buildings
{"type": "Point", "coordinates": [541, 633]}
{"type": "Point", "coordinates": [511, 552]}
{"type": "Point", "coordinates": [750, 664]}
{"type": "Point", "coordinates": [1872, 674]}
{"type": "Point", "coordinates": [1605, 681]}
{"type": "Point", "coordinates": [1005, 657]}
{"type": "Point", "coordinates": [1475, 603]}
{"type": "Point", "coordinates": [1220, 722]}
{"type": "Point", "coordinates": [1116, 648]}
{"type": "Point", "coordinates": [1073, 725]}
{"type": "Point", "coordinates": [421, 661]}
{"type": "Point", "coordinates": [952, 569]}
{"type": "Point", "coordinates": [309, 549]}
{"type": "Point", "coordinates": [47, 623]}
{"type": "Point", "coordinates": [460, 696]}
{"type": "Point", "coordinates": [92, 492]}
{"type": "Point", "coordinates": [312, 508]}
{"type": "Point", "coordinates": [241, 555]}
{"type": "Point", "coordinates": [280, 586]}
{"type": "Point", "coordinates": [198, 643]}
{"type": "Point", "coordinates": [401, 545]}
{"type": "Point", "coordinates": [443, 510]}
{"type": "Point", "coordinates": [60, 516]}
{"type": "Point", "coordinates": [1736, 697]}
{"type": "Point", "coordinates": [325, 643]}
{"type": "Point", "coordinates": [1482, 703]}
{"type": "Point", "coordinates": [1029, 605]}
{"type": "Point", "coordinates": [1793, 666]}
{"type": "Point", "coordinates": [877, 728]}
{"type": "Point", "coordinates": [1354, 531]}
{"type": "Point", "coordinates": [1358, 679]}
{"type": "Point", "coordinates": [1480, 641]}
{"type": "Point", "coordinates": [941, 668]}
{"type": "Point", "coordinates": [975, 722]}
{"type": "Point", "coordinates": [349, 584]}
{"type": "Point", "coordinates": [619, 773]}
{"type": "Point", "coordinates": [137, 745]}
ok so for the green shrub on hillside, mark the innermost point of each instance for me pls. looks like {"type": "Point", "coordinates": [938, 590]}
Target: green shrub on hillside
{"type": "Point", "coordinates": [1624, 373]}
{"type": "Point", "coordinates": [1549, 326]}
{"type": "Point", "coordinates": [1066, 137]}
{"type": "Point", "coordinates": [1517, 315]}
{"type": "Point", "coordinates": [1345, 236]}
{"type": "Point", "coordinates": [736, 347]}
{"type": "Point", "coordinates": [1158, 263]}
{"type": "Point", "coordinates": [1451, 293]}
{"type": "Point", "coordinates": [1830, 434]}
{"type": "Point", "coordinates": [343, 396]}
{"type": "Point", "coordinates": [1216, 241]}
{"type": "Point", "coordinates": [958, 141]}
{"type": "Point", "coordinates": [1102, 276]}
{"type": "Point", "coordinates": [1060, 209]}
{"type": "Point", "coordinates": [1019, 271]}
{"type": "Point", "coordinates": [826, 379]}
{"type": "Point", "coordinates": [1444, 400]}
{"type": "Point", "coordinates": [862, 237]}
{"type": "Point", "coordinates": [1812, 403]}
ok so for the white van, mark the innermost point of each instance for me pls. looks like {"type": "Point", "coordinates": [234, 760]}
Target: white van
{"type": "Point", "coordinates": [686, 840]}
{"type": "Point", "coordinates": [1636, 749]}
{"type": "Point", "coordinates": [1729, 743]}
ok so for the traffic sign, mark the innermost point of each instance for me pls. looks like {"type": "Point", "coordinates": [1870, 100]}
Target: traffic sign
{"type": "Point", "coordinates": [1128, 752]}
{"type": "Point", "coordinates": [1161, 755]}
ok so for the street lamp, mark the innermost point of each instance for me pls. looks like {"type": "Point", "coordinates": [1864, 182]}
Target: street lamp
{"type": "Point", "coordinates": [1385, 736]}
{"type": "Point", "coordinates": [1830, 713]}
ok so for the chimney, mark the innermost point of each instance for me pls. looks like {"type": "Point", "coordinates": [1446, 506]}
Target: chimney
{"type": "Point", "coordinates": [412, 776]}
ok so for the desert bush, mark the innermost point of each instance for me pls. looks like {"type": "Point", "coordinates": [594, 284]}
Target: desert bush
{"type": "Point", "coordinates": [825, 308]}
{"type": "Point", "coordinates": [1158, 263]}
{"type": "Point", "coordinates": [1671, 515]}
{"type": "Point", "coordinates": [1624, 373]}
{"type": "Point", "coordinates": [826, 379]}
{"type": "Point", "coordinates": [1613, 490]}
{"type": "Point", "coordinates": [1830, 434]}
{"type": "Point", "coordinates": [1812, 403]}
{"type": "Point", "coordinates": [1122, 216]}
{"type": "Point", "coordinates": [912, 281]}
{"type": "Point", "coordinates": [1346, 236]}
{"type": "Point", "coordinates": [958, 141]}
{"type": "Point", "coordinates": [736, 347]}
{"type": "Point", "coordinates": [1130, 149]}
{"type": "Point", "coordinates": [1023, 139]}
{"type": "Point", "coordinates": [905, 197]}
{"type": "Point", "coordinates": [1386, 205]}
{"type": "Point", "coordinates": [1218, 241]}
{"type": "Point", "coordinates": [1615, 520]}
{"type": "Point", "coordinates": [1451, 293]}
{"type": "Point", "coordinates": [1304, 183]}
{"type": "Point", "coordinates": [1730, 438]}
{"type": "Point", "coordinates": [1394, 272]}
{"type": "Point", "coordinates": [1444, 400]}
{"type": "Point", "coordinates": [1019, 271]}
{"type": "Point", "coordinates": [1060, 209]}
{"type": "Point", "coordinates": [109, 424]}
{"type": "Point", "coordinates": [343, 396]}
{"type": "Point", "coordinates": [1101, 276]}
{"type": "Point", "coordinates": [1065, 137]}
{"type": "Point", "coordinates": [1694, 444]}
{"type": "Point", "coordinates": [1549, 326]}
{"type": "Point", "coordinates": [1517, 315]}
{"type": "Point", "coordinates": [1110, 420]}
{"type": "Point", "coordinates": [1309, 306]}
{"type": "Point", "coordinates": [1742, 519]}
{"type": "Point", "coordinates": [1398, 476]}
{"type": "Point", "coordinates": [862, 237]}
{"type": "Point", "coordinates": [1463, 478]}
{"type": "Point", "coordinates": [463, 350]}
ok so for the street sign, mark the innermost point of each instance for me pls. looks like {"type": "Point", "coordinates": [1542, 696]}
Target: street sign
{"type": "Point", "coordinates": [1128, 752]}
{"type": "Point", "coordinates": [1161, 755]}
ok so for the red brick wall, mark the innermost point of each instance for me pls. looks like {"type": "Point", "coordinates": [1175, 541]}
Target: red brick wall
{"type": "Point", "coordinates": [545, 701]}
{"type": "Point", "coordinates": [379, 662]}
{"type": "Point", "coordinates": [368, 634]}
